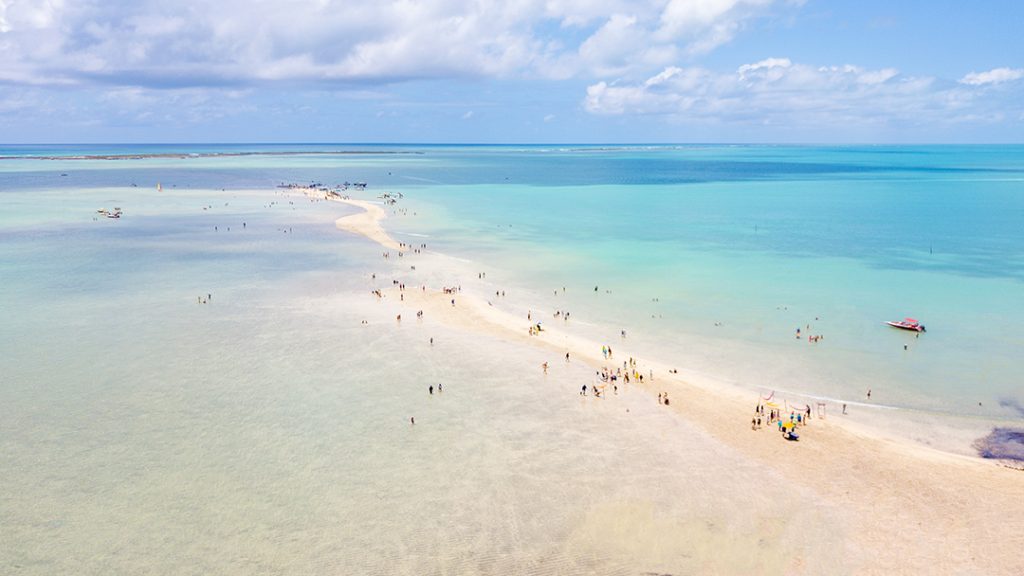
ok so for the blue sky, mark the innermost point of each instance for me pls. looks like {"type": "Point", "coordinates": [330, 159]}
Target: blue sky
{"type": "Point", "coordinates": [511, 71]}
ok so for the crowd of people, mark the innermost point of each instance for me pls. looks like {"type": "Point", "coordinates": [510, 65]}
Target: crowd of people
{"type": "Point", "coordinates": [608, 378]}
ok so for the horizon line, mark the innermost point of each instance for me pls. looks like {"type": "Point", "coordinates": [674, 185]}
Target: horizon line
{"type": "Point", "coordinates": [382, 143]}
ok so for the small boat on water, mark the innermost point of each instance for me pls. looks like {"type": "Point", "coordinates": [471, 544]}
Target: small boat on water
{"type": "Point", "coordinates": [907, 324]}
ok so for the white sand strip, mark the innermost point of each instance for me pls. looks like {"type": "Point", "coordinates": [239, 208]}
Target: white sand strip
{"type": "Point", "coordinates": [910, 508]}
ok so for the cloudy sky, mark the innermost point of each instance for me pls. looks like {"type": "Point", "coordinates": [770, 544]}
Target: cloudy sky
{"type": "Point", "coordinates": [511, 71]}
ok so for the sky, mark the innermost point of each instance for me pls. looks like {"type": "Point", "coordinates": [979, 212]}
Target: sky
{"type": "Point", "coordinates": [512, 71]}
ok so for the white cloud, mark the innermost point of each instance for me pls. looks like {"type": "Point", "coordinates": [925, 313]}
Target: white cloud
{"type": "Point", "coordinates": [198, 43]}
{"type": "Point", "coordinates": [769, 68]}
{"type": "Point", "coordinates": [610, 49]}
{"type": "Point", "coordinates": [4, 27]}
{"type": "Point", "coordinates": [878, 76]}
{"type": "Point", "coordinates": [779, 91]}
{"type": "Point", "coordinates": [467, 115]}
{"type": "Point", "coordinates": [994, 76]}
{"type": "Point", "coordinates": [708, 23]}
{"type": "Point", "coordinates": [580, 13]}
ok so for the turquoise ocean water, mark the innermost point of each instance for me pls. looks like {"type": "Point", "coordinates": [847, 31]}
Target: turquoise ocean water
{"type": "Point", "coordinates": [740, 245]}
{"type": "Point", "coordinates": [269, 428]}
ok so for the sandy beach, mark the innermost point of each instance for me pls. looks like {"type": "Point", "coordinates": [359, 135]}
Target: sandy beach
{"type": "Point", "coordinates": [906, 508]}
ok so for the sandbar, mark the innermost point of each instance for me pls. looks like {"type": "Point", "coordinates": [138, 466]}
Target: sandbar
{"type": "Point", "coordinates": [365, 223]}
{"type": "Point", "coordinates": [907, 508]}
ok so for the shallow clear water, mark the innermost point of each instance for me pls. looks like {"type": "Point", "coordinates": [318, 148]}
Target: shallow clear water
{"type": "Point", "coordinates": [739, 245]}
{"type": "Point", "coordinates": [267, 431]}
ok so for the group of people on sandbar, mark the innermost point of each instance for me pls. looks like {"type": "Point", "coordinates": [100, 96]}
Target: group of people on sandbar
{"type": "Point", "coordinates": [768, 415]}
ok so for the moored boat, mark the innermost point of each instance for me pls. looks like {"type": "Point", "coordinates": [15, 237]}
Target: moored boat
{"type": "Point", "coordinates": [907, 324]}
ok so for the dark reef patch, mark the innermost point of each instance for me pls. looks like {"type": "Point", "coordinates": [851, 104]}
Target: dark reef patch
{"type": "Point", "coordinates": [1002, 444]}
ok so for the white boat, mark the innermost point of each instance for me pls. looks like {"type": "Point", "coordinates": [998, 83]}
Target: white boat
{"type": "Point", "coordinates": [906, 324]}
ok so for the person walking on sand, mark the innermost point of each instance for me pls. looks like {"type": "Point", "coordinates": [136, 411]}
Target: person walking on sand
{"type": "Point", "coordinates": [431, 389]}
{"type": "Point", "coordinates": [545, 366]}
{"type": "Point", "coordinates": [566, 356]}
{"type": "Point", "coordinates": [583, 391]}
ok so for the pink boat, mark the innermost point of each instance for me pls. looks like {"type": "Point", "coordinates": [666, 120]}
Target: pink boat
{"type": "Point", "coordinates": [907, 324]}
